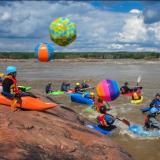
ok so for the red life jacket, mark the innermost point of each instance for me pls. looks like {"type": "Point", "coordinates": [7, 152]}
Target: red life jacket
{"type": "Point", "coordinates": [102, 120]}
{"type": "Point", "coordinates": [14, 88]}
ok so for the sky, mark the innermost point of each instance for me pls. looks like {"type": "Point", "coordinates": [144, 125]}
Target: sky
{"type": "Point", "coordinates": [102, 26]}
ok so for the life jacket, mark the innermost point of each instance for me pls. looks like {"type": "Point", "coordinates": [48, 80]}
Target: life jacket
{"type": "Point", "coordinates": [136, 96]}
{"type": "Point", "coordinates": [98, 106]}
{"type": "Point", "coordinates": [102, 120]}
{"type": "Point", "coordinates": [13, 88]}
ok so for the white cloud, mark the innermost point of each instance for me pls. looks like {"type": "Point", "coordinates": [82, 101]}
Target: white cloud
{"type": "Point", "coordinates": [134, 30]}
{"type": "Point", "coordinates": [97, 30]}
{"type": "Point", "coordinates": [135, 11]}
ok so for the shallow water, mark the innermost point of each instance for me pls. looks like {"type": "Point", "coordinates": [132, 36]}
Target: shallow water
{"type": "Point", "coordinates": [38, 74]}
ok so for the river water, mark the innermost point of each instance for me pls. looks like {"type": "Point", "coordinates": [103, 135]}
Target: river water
{"type": "Point", "coordinates": [37, 74]}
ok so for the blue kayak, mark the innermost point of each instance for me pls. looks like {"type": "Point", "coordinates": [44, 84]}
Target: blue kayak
{"type": "Point", "coordinates": [81, 98]}
{"type": "Point", "coordinates": [106, 131]}
{"type": "Point", "coordinates": [141, 132]}
{"type": "Point", "coordinates": [146, 109]}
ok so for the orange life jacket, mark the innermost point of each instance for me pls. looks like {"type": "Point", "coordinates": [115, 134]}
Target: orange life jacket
{"type": "Point", "coordinates": [13, 88]}
{"type": "Point", "coordinates": [102, 120]}
{"type": "Point", "coordinates": [136, 96]}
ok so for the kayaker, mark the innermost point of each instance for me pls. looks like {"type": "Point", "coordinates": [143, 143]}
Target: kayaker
{"type": "Point", "coordinates": [49, 88]}
{"type": "Point", "coordinates": [10, 83]}
{"type": "Point", "coordinates": [156, 101]}
{"type": "Point", "coordinates": [10, 89]}
{"type": "Point", "coordinates": [106, 120]}
{"type": "Point", "coordinates": [101, 106]}
{"type": "Point", "coordinates": [125, 89]}
{"type": "Point", "coordinates": [136, 94]}
{"type": "Point", "coordinates": [77, 87]}
{"type": "Point", "coordinates": [151, 122]}
{"type": "Point", "coordinates": [84, 85]}
{"type": "Point", "coordinates": [65, 86]}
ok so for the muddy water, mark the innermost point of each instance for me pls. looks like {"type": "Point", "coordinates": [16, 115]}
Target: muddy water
{"type": "Point", "coordinates": [38, 74]}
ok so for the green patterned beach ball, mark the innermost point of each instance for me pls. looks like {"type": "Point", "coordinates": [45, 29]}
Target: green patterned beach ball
{"type": "Point", "coordinates": [62, 31]}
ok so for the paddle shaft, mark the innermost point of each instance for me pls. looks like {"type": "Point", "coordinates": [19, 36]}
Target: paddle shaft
{"type": "Point", "coordinates": [122, 120]}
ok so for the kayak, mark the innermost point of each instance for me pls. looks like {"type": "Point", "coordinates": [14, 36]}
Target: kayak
{"type": "Point", "coordinates": [141, 132]}
{"type": "Point", "coordinates": [80, 98]}
{"type": "Point", "coordinates": [106, 131]}
{"type": "Point", "coordinates": [29, 103]}
{"type": "Point", "coordinates": [127, 94]}
{"type": "Point", "coordinates": [146, 109]}
{"type": "Point", "coordinates": [24, 88]}
{"type": "Point", "coordinates": [58, 92]}
{"type": "Point", "coordinates": [137, 101]}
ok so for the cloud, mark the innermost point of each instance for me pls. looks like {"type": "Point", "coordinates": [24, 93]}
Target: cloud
{"type": "Point", "coordinates": [133, 30]}
{"type": "Point", "coordinates": [135, 11]}
{"type": "Point", "coordinates": [24, 24]}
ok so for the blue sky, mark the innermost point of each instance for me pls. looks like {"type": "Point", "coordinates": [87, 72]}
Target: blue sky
{"type": "Point", "coordinates": [101, 25]}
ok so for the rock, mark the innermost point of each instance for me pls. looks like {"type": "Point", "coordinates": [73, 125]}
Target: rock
{"type": "Point", "coordinates": [60, 136]}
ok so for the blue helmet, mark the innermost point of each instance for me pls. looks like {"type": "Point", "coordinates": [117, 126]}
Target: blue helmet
{"type": "Point", "coordinates": [11, 69]}
{"type": "Point", "coordinates": [153, 110]}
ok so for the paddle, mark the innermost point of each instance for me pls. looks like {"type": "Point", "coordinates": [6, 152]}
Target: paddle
{"type": "Point", "coordinates": [122, 120]}
{"type": "Point", "coordinates": [138, 80]}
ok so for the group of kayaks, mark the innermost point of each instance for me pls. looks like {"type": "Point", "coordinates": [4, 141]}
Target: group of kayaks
{"type": "Point", "coordinates": [30, 103]}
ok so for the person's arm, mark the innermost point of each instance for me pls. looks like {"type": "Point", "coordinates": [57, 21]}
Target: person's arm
{"type": "Point", "coordinates": [152, 103]}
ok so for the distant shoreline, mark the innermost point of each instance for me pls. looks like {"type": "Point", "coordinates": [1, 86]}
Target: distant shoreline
{"type": "Point", "coordinates": [85, 55]}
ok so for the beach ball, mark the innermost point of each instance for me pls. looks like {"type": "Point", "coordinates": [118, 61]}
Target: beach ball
{"type": "Point", "coordinates": [44, 52]}
{"type": "Point", "coordinates": [62, 31]}
{"type": "Point", "coordinates": [108, 90]}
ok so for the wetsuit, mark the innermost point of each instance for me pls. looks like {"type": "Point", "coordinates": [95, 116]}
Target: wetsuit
{"type": "Point", "coordinates": [77, 89]}
{"type": "Point", "coordinates": [125, 89]}
{"type": "Point", "coordinates": [48, 88]}
{"type": "Point", "coordinates": [84, 85]}
{"type": "Point", "coordinates": [9, 87]}
{"type": "Point", "coordinates": [155, 103]}
{"type": "Point", "coordinates": [65, 86]}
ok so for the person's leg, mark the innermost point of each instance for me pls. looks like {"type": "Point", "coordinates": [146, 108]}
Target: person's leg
{"type": "Point", "coordinates": [155, 123]}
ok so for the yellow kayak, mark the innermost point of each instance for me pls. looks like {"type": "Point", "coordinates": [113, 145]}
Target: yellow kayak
{"type": "Point", "coordinates": [137, 101]}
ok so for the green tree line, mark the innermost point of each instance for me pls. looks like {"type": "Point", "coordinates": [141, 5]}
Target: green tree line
{"type": "Point", "coordinates": [94, 55]}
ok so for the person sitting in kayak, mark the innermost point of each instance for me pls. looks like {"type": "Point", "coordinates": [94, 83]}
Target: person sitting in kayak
{"type": "Point", "coordinates": [136, 94]}
{"type": "Point", "coordinates": [49, 88]}
{"type": "Point", "coordinates": [84, 85]}
{"type": "Point", "coordinates": [156, 101]}
{"type": "Point", "coordinates": [151, 121]}
{"type": "Point", "coordinates": [65, 86]}
{"type": "Point", "coordinates": [106, 120]}
{"type": "Point", "coordinates": [10, 89]}
{"type": "Point", "coordinates": [101, 106]}
{"type": "Point", "coordinates": [125, 89]}
{"type": "Point", "coordinates": [9, 83]}
{"type": "Point", "coordinates": [77, 87]}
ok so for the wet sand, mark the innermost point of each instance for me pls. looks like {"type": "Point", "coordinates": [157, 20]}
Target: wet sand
{"type": "Point", "coordinates": [36, 74]}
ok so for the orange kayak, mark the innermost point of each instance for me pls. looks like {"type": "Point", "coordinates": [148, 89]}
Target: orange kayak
{"type": "Point", "coordinates": [29, 103]}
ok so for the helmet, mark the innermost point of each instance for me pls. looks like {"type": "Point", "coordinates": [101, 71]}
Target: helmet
{"type": "Point", "coordinates": [11, 69]}
{"type": "Point", "coordinates": [92, 93]}
{"type": "Point", "coordinates": [157, 95]}
{"type": "Point", "coordinates": [50, 83]}
{"type": "Point", "coordinates": [1, 74]}
{"type": "Point", "coordinates": [77, 84]}
{"type": "Point", "coordinates": [103, 109]}
{"type": "Point", "coordinates": [153, 110]}
{"type": "Point", "coordinates": [126, 83]}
